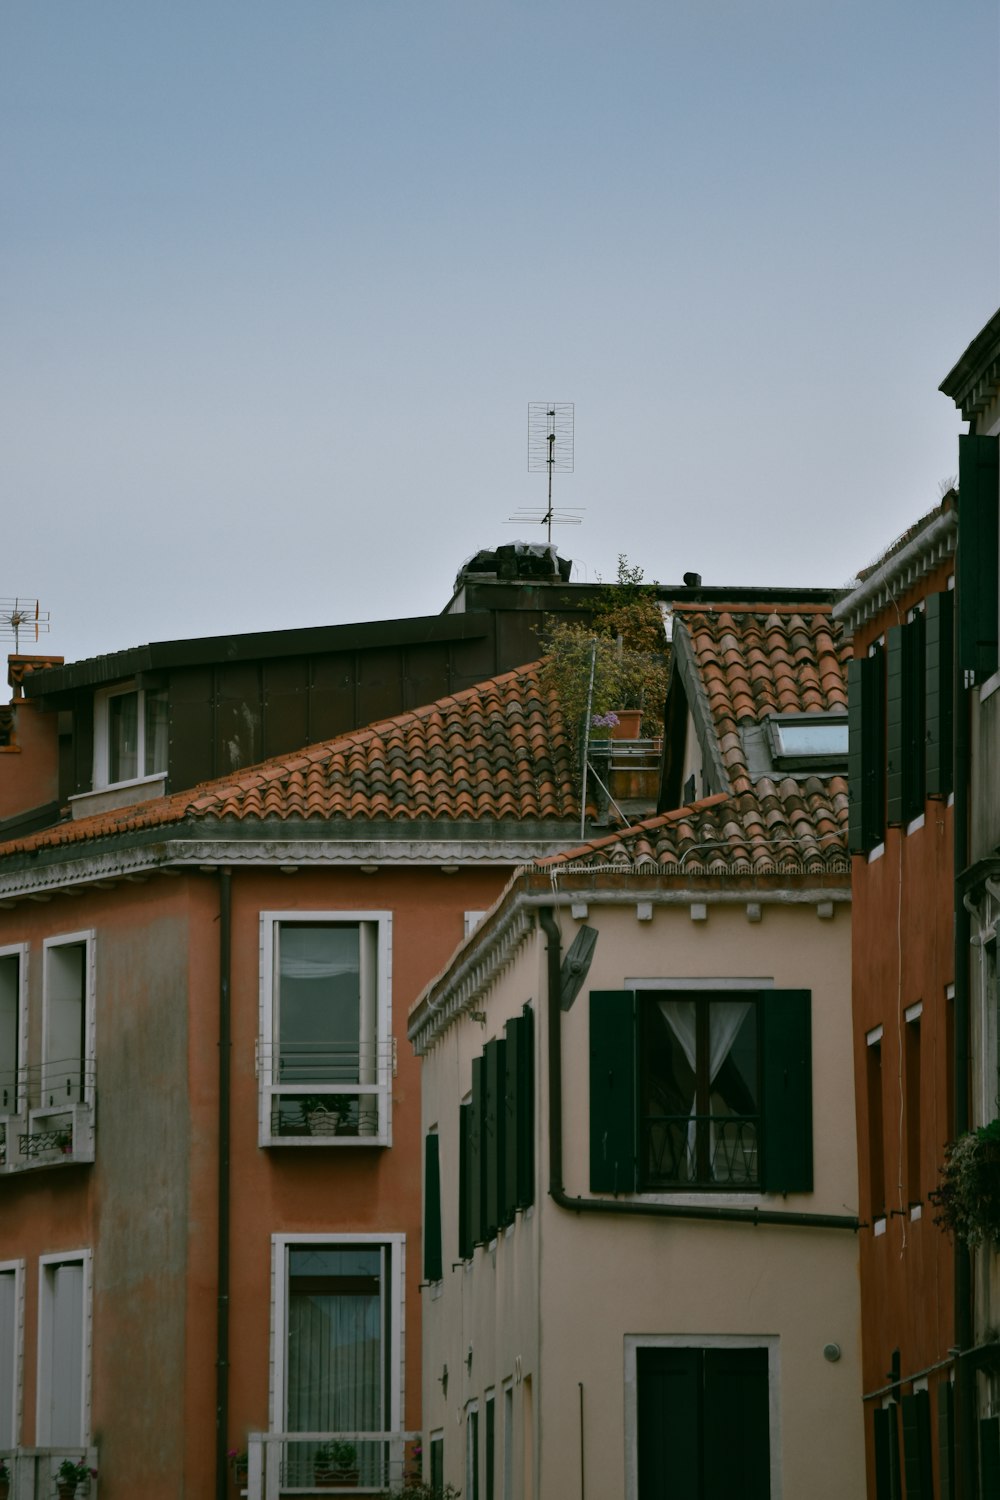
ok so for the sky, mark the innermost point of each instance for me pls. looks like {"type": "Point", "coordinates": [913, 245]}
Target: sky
{"type": "Point", "coordinates": [280, 278]}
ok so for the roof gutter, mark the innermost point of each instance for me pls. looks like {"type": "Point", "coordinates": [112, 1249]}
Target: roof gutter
{"type": "Point", "coordinates": [918, 557]}
{"type": "Point", "coordinates": [632, 1209]}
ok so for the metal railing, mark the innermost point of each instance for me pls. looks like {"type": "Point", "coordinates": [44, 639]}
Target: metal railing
{"type": "Point", "coordinates": [325, 1089]}
{"type": "Point", "coordinates": [355, 1463]}
{"type": "Point", "coordinates": [33, 1472]}
{"type": "Point", "coordinates": [52, 1118]}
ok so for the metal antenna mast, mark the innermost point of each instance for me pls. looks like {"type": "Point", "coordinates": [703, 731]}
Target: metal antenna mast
{"type": "Point", "coordinates": [550, 449]}
{"type": "Point", "coordinates": [22, 614]}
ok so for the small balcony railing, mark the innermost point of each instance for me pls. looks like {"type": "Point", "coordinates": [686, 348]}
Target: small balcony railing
{"type": "Point", "coordinates": [315, 1093]}
{"type": "Point", "coordinates": [51, 1122]}
{"type": "Point", "coordinates": [33, 1472]}
{"type": "Point", "coordinates": [314, 1463]}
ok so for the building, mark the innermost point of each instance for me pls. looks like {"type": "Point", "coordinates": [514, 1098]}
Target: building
{"type": "Point", "coordinates": [900, 620]}
{"type": "Point", "coordinates": [640, 1181]}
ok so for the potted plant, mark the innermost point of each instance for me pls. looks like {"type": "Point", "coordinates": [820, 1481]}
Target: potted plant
{"type": "Point", "coordinates": [4, 1479]}
{"type": "Point", "coordinates": [967, 1198]}
{"type": "Point", "coordinates": [337, 1465]}
{"type": "Point", "coordinates": [415, 1489]}
{"type": "Point", "coordinates": [71, 1474]}
{"type": "Point", "coordinates": [239, 1463]}
{"type": "Point", "coordinates": [319, 1116]}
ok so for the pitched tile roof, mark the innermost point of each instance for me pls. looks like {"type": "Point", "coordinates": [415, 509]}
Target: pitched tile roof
{"type": "Point", "coordinates": [751, 661]}
{"type": "Point", "coordinates": [497, 751]}
{"type": "Point", "coordinates": [757, 661]}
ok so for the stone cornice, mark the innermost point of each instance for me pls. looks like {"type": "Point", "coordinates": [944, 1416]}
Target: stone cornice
{"type": "Point", "coordinates": [899, 572]}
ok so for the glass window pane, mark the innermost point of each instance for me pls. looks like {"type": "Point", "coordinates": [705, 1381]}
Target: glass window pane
{"type": "Point", "coordinates": [819, 737]}
{"type": "Point", "coordinates": [123, 737]}
{"type": "Point", "coordinates": [734, 1090]}
{"type": "Point", "coordinates": [319, 1003]}
{"type": "Point", "coordinates": [155, 756]}
{"type": "Point", "coordinates": [670, 1104]}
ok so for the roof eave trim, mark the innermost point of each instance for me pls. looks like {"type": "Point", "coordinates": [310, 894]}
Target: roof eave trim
{"type": "Point", "coordinates": [899, 572]}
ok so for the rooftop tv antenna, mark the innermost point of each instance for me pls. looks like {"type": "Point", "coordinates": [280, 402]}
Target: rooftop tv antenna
{"type": "Point", "coordinates": [22, 614]}
{"type": "Point", "coordinates": [550, 449]}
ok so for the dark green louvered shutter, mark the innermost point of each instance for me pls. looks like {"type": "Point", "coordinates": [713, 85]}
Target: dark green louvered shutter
{"type": "Point", "coordinates": [526, 1110]}
{"type": "Point", "coordinates": [668, 1427]}
{"type": "Point", "coordinates": [512, 1123]}
{"type": "Point", "coordinates": [938, 674]}
{"type": "Point", "coordinates": [989, 1458]}
{"type": "Point", "coordinates": [914, 749]}
{"type": "Point", "coordinates": [894, 725]}
{"type": "Point", "coordinates": [612, 1091]}
{"type": "Point", "coordinates": [976, 569]}
{"type": "Point", "coordinates": [786, 1071]}
{"type": "Point", "coordinates": [433, 1266]}
{"type": "Point", "coordinates": [946, 1439]}
{"type": "Point", "coordinates": [466, 1243]}
{"type": "Point", "coordinates": [493, 1133]}
{"type": "Point", "coordinates": [477, 1174]}
{"type": "Point", "coordinates": [917, 1464]}
{"type": "Point", "coordinates": [735, 1423]}
{"type": "Point", "coordinates": [887, 1482]}
{"type": "Point", "coordinates": [855, 757]}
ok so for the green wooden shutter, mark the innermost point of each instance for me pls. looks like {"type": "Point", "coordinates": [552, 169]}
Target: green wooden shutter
{"type": "Point", "coordinates": [433, 1260]}
{"type": "Point", "coordinates": [894, 725]}
{"type": "Point", "coordinates": [612, 1091]}
{"type": "Point", "coordinates": [511, 1119]}
{"type": "Point", "coordinates": [466, 1242]}
{"type": "Point", "coordinates": [917, 1464]}
{"type": "Point", "coordinates": [914, 749]}
{"type": "Point", "coordinates": [874, 758]}
{"type": "Point", "coordinates": [938, 679]}
{"type": "Point", "coordinates": [668, 1429]}
{"type": "Point", "coordinates": [887, 1482]}
{"type": "Point", "coordinates": [735, 1422]}
{"type": "Point", "coordinates": [786, 1075]}
{"type": "Point", "coordinates": [477, 1175]}
{"type": "Point", "coordinates": [989, 1458]}
{"type": "Point", "coordinates": [855, 757]}
{"type": "Point", "coordinates": [976, 565]}
{"type": "Point", "coordinates": [526, 1110]}
{"type": "Point", "coordinates": [946, 1439]}
{"type": "Point", "coordinates": [493, 1133]}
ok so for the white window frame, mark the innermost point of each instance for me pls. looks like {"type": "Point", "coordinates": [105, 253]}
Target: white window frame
{"type": "Point", "coordinates": [473, 1444]}
{"type": "Point", "coordinates": [86, 938]}
{"type": "Point", "coordinates": [384, 1061]}
{"type": "Point", "coordinates": [634, 1342]}
{"type": "Point", "coordinates": [102, 739]}
{"type": "Point", "coordinates": [19, 951]}
{"type": "Point", "coordinates": [16, 1354]}
{"type": "Point", "coordinates": [42, 1414]}
{"type": "Point", "coordinates": [507, 1488]}
{"type": "Point", "coordinates": [280, 1246]}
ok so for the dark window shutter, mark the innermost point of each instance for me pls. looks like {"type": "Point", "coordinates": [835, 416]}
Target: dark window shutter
{"type": "Point", "coordinates": [511, 1119]}
{"type": "Point", "coordinates": [493, 1133]}
{"type": "Point", "coordinates": [976, 566]}
{"type": "Point", "coordinates": [989, 1458]}
{"type": "Point", "coordinates": [667, 1421]}
{"type": "Point", "coordinates": [887, 1485]}
{"type": "Point", "coordinates": [946, 1439]}
{"type": "Point", "coordinates": [433, 1267]}
{"type": "Point", "coordinates": [465, 1239]}
{"type": "Point", "coordinates": [526, 1110]}
{"type": "Point", "coordinates": [855, 757]}
{"type": "Point", "coordinates": [735, 1415]}
{"type": "Point", "coordinates": [477, 1174]}
{"type": "Point", "coordinates": [917, 1465]}
{"type": "Point", "coordinates": [894, 725]}
{"type": "Point", "coordinates": [786, 1054]}
{"type": "Point", "coordinates": [914, 750]}
{"type": "Point", "coordinates": [612, 1091]}
{"type": "Point", "coordinates": [938, 675]}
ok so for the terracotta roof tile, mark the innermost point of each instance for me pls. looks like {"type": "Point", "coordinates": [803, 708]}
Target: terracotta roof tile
{"type": "Point", "coordinates": [495, 751]}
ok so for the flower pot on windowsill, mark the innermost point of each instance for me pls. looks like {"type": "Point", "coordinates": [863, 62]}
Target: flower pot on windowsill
{"type": "Point", "coordinates": [337, 1479]}
{"type": "Point", "coordinates": [629, 726]}
{"type": "Point", "coordinates": [323, 1121]}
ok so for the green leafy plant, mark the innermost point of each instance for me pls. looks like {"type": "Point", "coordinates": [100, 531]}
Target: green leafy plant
{"type": "Point", "coordinates": [967, 1197]}
{"type": "Point", "coordinates": [415, 1489]}
{"type": "Point", "coordinates": [74, 1472]}
{"type": "Point", "coordinates": [619, 661]}
{"type": "Point", "coordinates": [4, 1470]}
{"type": "Point", "coordinates": [334, 1455]}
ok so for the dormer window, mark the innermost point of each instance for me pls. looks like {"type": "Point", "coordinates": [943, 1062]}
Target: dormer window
{"type": "Point", "coordinates": [130, 735]}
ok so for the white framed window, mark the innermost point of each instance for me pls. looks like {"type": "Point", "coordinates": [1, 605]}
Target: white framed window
{"type": "Point", "coordinates": [130, 734]}
{"type": "Point", "coordinates": [508, 1440]}
{"type": "Point", "coordinates": [472, 1450]}
{"type": "Point", "coordinates": [11, 1352]}
{"type": "Point", "coordinates": [13, 1026]}
{"type": "Point", "coordinates": [337, 1357]}
{"type": "Point", "coordinates": [64, 1338]}
{"type": "Point", "coordinates": [695, 1402]}
{"type": "Point", "coordinates": [326, 1058]}
{"type": "Point", "coordinates": [68, 1028]}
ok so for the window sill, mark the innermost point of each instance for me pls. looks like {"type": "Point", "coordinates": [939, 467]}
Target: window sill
{"type": "Point", "coordinates": [878, 1228]}
{"type": "Point", "coordinates": [121, 794]}
{"type": "Point", "coordinates": [338, 1142]}
{"type": "Point", "coordinates": [876, 853]}
{"type": "Point", "coordinates": [989, 687]}
{"type": "Point", "coordinates": [32, 1142]}
{"type": "Point", "coordinates": [915, 824]}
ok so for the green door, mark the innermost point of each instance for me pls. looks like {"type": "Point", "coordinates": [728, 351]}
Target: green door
{"type": "Point", "coordinates": [703, 1424]}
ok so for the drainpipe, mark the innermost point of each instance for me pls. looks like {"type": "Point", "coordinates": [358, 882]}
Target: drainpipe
{"type": "Point", "coordinates": [965, 1377]}
{"type": "Point", "coordinates": [633, 1209]}
{"type": "Point", "coordinates": [222, 1314]}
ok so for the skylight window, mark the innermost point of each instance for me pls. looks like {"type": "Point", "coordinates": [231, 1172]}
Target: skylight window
{"type": "Point", "coordinates": [808, 741]}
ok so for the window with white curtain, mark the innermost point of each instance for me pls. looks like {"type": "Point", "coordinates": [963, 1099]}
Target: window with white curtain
{"type": "Point", "coordinates": [326, 1048]}
{"type": "Point", "coordinates": [338, 1320]}
{"type": "Point", "coordinates": [130, 734]}
{"type": "Point", "coordinates": [700, 1090]}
